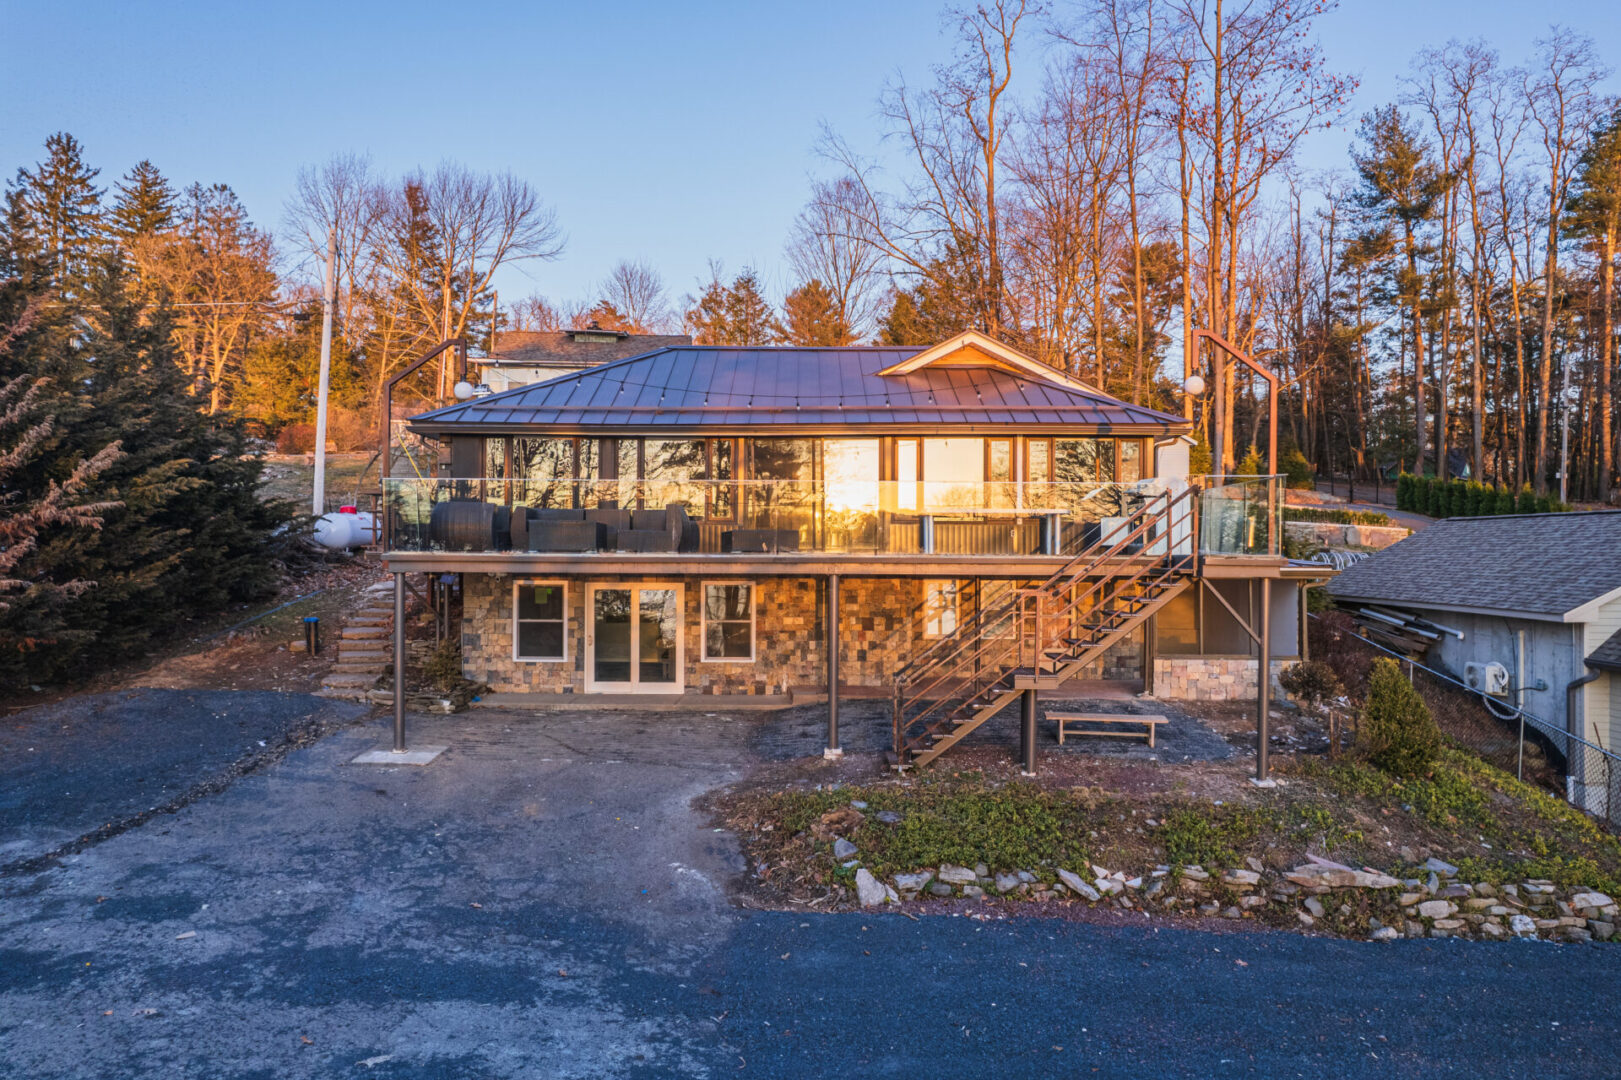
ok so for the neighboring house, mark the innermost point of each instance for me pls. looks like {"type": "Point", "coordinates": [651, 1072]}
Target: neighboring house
{"type": "Point", "coordinates": [943, 527]}
{"type": "Point", "coordinates": [521, 357]}
{"type": "Point", "coordinates": [1537, 595]}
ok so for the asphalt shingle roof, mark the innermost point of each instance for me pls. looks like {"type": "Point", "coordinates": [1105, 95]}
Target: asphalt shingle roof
{"type": "Point", "coordinates": [557, 347]}
{"type": "Point", "coordinates": [1608, 655]}
{"type": "Point", "coordinates": [714, 388]}
{"type": "Point", "coordinates": [1537, 564]}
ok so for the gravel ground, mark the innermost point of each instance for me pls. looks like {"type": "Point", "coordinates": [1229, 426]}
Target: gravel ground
{"type": "Point", "coordinates": [544, 901]}
{"type": "Point", "coordinates": [865, 726]}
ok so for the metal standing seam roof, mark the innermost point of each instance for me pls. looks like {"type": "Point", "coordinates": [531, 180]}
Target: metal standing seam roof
{"type": "Point", "coordinates": [780, 387]}
{"type": "Point", "coordinates": [1533, 564]}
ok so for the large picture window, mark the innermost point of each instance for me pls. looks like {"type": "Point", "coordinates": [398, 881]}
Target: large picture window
{"type": "Point", "coordinates": [539, 621]}
{"type": "Point", "coordinates": [729, 621]}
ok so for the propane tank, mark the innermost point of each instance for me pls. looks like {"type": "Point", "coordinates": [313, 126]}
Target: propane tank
{"type": "Point", "coordinates": [350, 527]}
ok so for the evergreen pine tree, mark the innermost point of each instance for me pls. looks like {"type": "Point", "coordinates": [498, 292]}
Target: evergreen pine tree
{"type": "Point", "coordinates": [54, 218]}
{"type": "Point", "coordinates": [144, 205]}
{"type": "Point", "coordinates": [812, 317]}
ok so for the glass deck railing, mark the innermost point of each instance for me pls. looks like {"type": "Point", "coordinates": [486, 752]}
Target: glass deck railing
{"type": "Point", "coordinates": [1236, 516]}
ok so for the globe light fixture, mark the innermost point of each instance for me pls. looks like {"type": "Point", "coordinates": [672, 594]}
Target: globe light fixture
{"type": "Point", "coordinates": [1194, 385]}
{"type": "Point", "coordinates": [463, 390]}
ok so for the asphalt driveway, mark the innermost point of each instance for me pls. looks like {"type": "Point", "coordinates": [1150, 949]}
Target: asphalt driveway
{"type": "Point", "coordinates": [543, 901]}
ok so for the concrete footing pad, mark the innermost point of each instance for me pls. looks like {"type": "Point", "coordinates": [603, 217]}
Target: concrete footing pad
{"type": "Point", "coordinates": [421, 755]}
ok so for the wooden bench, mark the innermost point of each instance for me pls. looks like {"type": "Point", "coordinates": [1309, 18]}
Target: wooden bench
{"type": "Point", "coordinates": [1151, 723]}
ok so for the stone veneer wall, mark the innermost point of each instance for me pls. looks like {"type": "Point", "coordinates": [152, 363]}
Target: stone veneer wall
{"type": "Point", "coordinates": [789, 646]}
{"type": "Point", "coordinates": [1211, 678]}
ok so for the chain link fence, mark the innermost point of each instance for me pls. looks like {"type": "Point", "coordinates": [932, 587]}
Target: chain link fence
{"type": "Point", "coordinates": [1537, 750]}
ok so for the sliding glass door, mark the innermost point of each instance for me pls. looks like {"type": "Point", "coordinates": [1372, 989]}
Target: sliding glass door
{"type": "Point", "coordinates": [633, 644]}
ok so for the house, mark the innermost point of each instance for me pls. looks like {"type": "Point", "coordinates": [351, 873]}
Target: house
{"type": "Point", "coordinates": [521, 357]}
{"type": "Point", "coordinates": [1525, 608]}
{"type": "Point", "coordinates": [952, 529]}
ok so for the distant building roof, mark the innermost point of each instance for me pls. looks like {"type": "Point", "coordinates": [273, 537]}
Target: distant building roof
{"type": "Point", "coordinates": [1536, 565]}
{"type": "Point", "coordinates": [979, 385]}
{"type": "Point", "coordinates": [573, 349]}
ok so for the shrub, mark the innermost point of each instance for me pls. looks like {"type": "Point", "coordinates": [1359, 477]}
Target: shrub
{"type": "Point", "coordinates": [1297, 470]}
{"type": "Point", "coordinates": [1201, 462]}
{"type": "Point", "coordinates": [1398, 733]}
{"type": "Point", "coordinates": [1311, 682]}
{"type": "Point", "coordinates": [295, 439]}
{"type": "Point", "coordinates": [1252, 465]}
{"type": "Point", "coordinates": [1527, 502]}
{"type": "Point", "coordinates": [1336, 516]}
{"type": "Point", "coordinates": [443, 668]}
{"type": "Point", "coordinates": [1404, 491]}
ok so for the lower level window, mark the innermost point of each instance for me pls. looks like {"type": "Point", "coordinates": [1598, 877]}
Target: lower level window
{"type": "Point", "coordinates": [539, 621]}
{"type": "Point", "coordinates": [939, 608]}
{"type": "Point", "coordinates": [729, 622]}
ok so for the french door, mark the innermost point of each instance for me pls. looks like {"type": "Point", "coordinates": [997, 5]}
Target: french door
{"type": "Point", "coordinates": [633, 639]}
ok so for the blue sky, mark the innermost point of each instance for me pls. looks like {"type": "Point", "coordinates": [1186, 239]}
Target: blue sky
{"type": "Point", "coordinates": [674, 133]}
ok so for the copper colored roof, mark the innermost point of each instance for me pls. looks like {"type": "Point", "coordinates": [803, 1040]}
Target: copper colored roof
{"type": "Point", "coordinates": [725, 389]}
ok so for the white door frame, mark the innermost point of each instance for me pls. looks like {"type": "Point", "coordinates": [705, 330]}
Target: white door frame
{"type": "Point", "coordinates": [635, 686]}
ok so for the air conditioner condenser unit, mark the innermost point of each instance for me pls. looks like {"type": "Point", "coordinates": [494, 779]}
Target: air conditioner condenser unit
{"type": "Point", "coordinates": [1489, 678]}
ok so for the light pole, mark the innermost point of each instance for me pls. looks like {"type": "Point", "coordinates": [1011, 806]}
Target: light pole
{"type": "Point", "coordinates": [327, 303]}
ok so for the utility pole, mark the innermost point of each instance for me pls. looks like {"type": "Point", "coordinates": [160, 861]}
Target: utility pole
{"type": "Point", "coordinates": [1564, 430]}
{"type": "Point", "coordinates": [327, 303]}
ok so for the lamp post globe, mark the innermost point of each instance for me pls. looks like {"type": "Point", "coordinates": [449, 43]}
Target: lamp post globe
{"type": "Point", "coordinates": [463, 390]}
{"type": "Point", "coordinates": [1194, 385]}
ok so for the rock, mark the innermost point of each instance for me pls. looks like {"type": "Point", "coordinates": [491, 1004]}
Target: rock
{"type": "Point", "coordinates": [889, 817]}
{"type": "Point", "coordinates": [1602, 930]}
{"type": "Point", "coordinates": [1590, 900]}
{"type": "Point", "coordinates": [1209, 908]}
{"type": "Point", "coordinates": [1578, 933]}
{"type": "Point", "coordinates": [940, 888]}
{"type": "Point", "coordinates": [1232, 913]}
{"type": "Point", "coordinates": [1477, 903]}
{"type": "Point", "coordinates": [1134, 883]}
{"type": "Point", "coordinates": [1328, 877]}
{"type": "Point", "coordinates": [1414, 928]}
{"type": "Point", "coordinates": [957, 875]}
{"type": "Point", "coordinates": [1448, 924]}
{"type": "Point", "coordinates": [1437, 909]}
{"type": "Point", "coordinates": [1315, 906]}
{"type": "Point", "coordinates": [1254, 864]}
{"type": "Point", "coordinates": [1195, 873]}
{"type": "Point", "coordinates": [1027, 877]}
{"type": "Point", "coordinates": [1155, 887]}
{"type": "Point", "coordinates": [843, 849]}
{"type": "Point", "coordinates": [981, 870]}
{"type": "Point", "coordinates": [1241, 878]}
{"type": "Point", "coordinates": [1251, 902]}
{"type": "Point", "coordinates": [1484, 889]}
{"type": "Point", "coordinates": [1493, 929]}
{"type": "Point", "coordinates": [1522, 925]}
{"type": "Point", "coordinates": [1006, 883]}
{"type": "Point", "coordinates": [1305, 920]}
{"type": "Point", "coordinates": [1454, 892]}
{"type": "Point", "coordinates": [1433, 884]}
{"type": "Point", "coordinates": [869, 890]}
{"type": "Point", "coordinates": [858, 804]}
{"type": "Point", "coordinates": [1074, 884]}
{"type": "Point", "coordinates": [914, 882]}
{"type": "Point", "coordinates": [1385, 933]}
{"type": "Point", "coordinates": [1435, 865]}
{"type": "Point", "coordinates": [972, 890]}
{"type": "Point", "coordinates": [1408, 899]}
{"type": "Point", "coordinates": [1111, 886]}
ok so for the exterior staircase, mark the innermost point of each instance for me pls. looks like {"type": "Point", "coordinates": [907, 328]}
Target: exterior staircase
{"type": "Point", "coordinates": [365, 645]}
{"type": "Point", "coordinates": [1043, 635]}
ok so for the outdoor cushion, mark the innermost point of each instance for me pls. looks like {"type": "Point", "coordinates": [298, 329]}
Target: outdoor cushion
{"type": "Point", "coordinates": [565, 535]}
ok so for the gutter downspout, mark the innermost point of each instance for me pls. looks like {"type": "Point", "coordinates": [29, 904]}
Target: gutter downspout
{"type": "Point", "coordinates": [1570, 719]}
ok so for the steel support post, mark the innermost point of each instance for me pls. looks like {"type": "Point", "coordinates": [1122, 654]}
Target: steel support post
{"type": "Point", "coordinates": [1027, 733]}
{"type": "Point", "coordinates": [832, 750]}
{"type": "Point", "coordinates": [399, 663]}
{"type": "Point", "coordinates": [1263, 680]}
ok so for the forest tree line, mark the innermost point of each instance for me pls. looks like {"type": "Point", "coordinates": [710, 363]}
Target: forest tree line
{"type": "Point", "coordinates": [1090, 182]}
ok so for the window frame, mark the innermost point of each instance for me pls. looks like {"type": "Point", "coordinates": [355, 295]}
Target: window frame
{"type": "Point", "coordinates": [519, 583]}
{"type": "Point", "coordinates": [703, 621]}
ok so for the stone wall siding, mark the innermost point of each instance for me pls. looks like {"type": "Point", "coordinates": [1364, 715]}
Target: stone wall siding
{"type": "Point", "coordinates": [789, 642]}
{"type": "Point", "coordinates": [1211, 678]}
{"type": "Point", "coordinates": [1328, 534]}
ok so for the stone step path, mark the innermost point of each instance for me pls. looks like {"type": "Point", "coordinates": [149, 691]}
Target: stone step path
{"type": "Point", "coordinates": [364, 645]}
